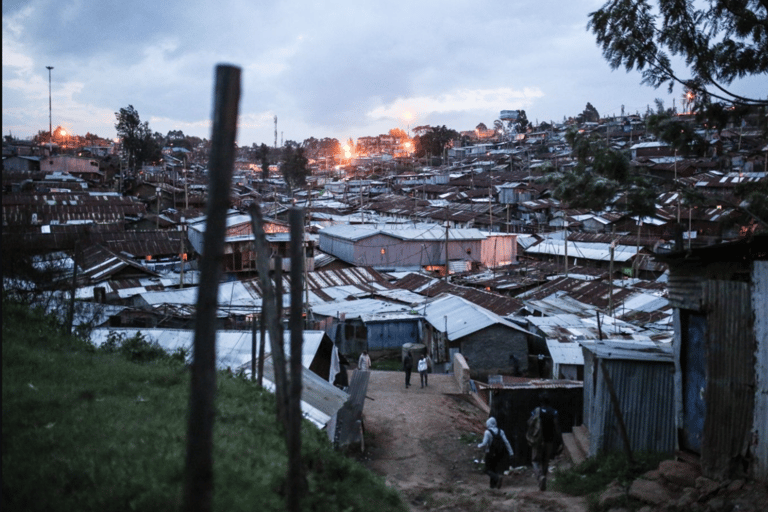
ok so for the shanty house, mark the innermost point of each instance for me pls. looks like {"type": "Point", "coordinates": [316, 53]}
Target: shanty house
{"type": "Point", "coordinates": [369, 324]}
{"type": "Point", "coordinates": [402, 247]}
{"type": "Point", "coordinates": [640, 375]}
{"type": "Point", "coordinates": [720, 295]}
{"type": "Point", "coordinates": [488, 342]}
{"type": "Point", "coordinates": [239, 253]}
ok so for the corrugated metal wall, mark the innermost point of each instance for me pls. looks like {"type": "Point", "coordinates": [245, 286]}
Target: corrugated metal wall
{"type": "Point", "coordinates": [391, 335]}
{"type": "Point", "coordinates": [645, 393]}
{"type": "Point", "coordinates": [760, 423]}
{"type": "Point", "coordinates": [730, 392]}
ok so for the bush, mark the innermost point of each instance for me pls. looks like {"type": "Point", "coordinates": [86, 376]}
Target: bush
{"type": "Point", "coordinates": [594, 474]}
{"type": "Point", "coordinates": [140, 350]}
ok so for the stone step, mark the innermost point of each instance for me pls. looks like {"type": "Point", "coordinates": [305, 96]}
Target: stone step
{"type": "Point", "coordinates": [572, 449]}
{"type": "Point", "coordinates": [581, 434]}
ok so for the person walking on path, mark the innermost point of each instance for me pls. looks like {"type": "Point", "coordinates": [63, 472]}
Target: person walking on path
{"type": "Point", "coordinates": [545, 438]}
{"type": "Point", "coordinates": [408, 366]}
{"type": "Point", "coordinates": [423, 367]}
{"type": "Point", "coordinates": [364, 363]}
{"type": "Point", "coordinates": [496, 446]}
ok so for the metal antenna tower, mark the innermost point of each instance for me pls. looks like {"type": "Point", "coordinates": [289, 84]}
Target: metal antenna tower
{"type": "Point", "coordinates": [50, 124]}
{"type": "Point", "coordinates": [275, 131]}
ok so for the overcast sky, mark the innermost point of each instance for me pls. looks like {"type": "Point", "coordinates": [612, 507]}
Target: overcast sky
{"type": "Point", "coordinates": [324, 68]}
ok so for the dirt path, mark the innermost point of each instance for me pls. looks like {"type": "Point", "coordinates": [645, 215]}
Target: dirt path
{"type": "Point", "coordinates": [423, 441]}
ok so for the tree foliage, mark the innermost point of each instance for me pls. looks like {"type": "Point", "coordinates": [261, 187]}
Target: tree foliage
{"type": "Point", "coordinates": [294, 166]}
{"type": "Point", "coordinates": [398, 133]}
{"type": "Point", "coordinates": [432, 140]}
{"type": "Point", "coordinates": [719, 41]}
{"type": "Point", "coordinates": [601, 179]}
{"type": "Point", "coordinates": [676, 132]}
{"type": "Point", "coordinates": [262, 155]}
{"type": "Point", "coordinates": [521, 124]}
{"type": "Point", "coordinates": [588, 115]}
{"type": "Point", "coordinates": [138, 139]}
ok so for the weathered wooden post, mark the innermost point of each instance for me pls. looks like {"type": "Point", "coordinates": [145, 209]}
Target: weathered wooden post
{"type": "Point", "coordinates": [198, 478]}
{"type": "Point", "coordinates": [295, 473]}
{"type": "Point", "coordinates": [270, 312]}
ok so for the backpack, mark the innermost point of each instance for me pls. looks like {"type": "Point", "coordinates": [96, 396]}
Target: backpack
{"type": "Point", "coordinates": [497, 447]}
{"type": "Point", "coordinates": [534, 434]}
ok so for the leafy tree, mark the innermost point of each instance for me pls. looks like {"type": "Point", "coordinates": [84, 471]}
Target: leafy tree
{"type": "Point", "coordinates": [398, 133]}
{"type": "Point", "coordinates": [138, 139]}
{"type": "Point", "coordinates": [589, 115]}
{"type": "Point", "coordinates": [262, 155]}
{"type": "Point", "coordinates": [601, 179]}
{"type": "Point", "coordinates": [719, 41]}
{"type": "Point", "coordinates": [432, 140]}
{"type": "Point", "coordinates": [294, 166]}
{"type": "Point", "coordinates": [678, 133]}
{"type": "Point", "coordinates": [521, 124]}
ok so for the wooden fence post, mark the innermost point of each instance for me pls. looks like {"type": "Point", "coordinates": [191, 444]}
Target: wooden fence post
{"type": "Point", "coordinates": [198, 478]}
{"type": "Point", "coordinates": [295, 472]}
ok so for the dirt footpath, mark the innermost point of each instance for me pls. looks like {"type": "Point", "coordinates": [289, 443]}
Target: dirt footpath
{"type": "Point", "coordinates": [423, 442]}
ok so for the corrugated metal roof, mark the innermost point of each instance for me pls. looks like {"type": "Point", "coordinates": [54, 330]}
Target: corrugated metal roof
{"type": "Point", "coordinates": [508, 382]}
{"type": "Point", "coordinates": [460, 317]}
{"type": "Point", "coordinates": [630, 350]}
{"type": "Point", "coordinates": [358, 308]}
{"type": "Point", "coordinates": [233, 348]}
{"type": "Point", "coordinates": [586, 250]}
{"type": "Point", "coordinates": [421, 232]}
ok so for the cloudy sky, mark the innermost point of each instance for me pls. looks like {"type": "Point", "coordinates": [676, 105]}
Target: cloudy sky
{"type": "Point", "coordinates": [324, 68]}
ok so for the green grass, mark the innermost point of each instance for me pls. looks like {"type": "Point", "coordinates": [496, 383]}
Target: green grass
{"type": "Point", "coordinates": [87, 429]}
{"type": "Point", "coordinates": [592, 477]}
{"type": "Point", "coordinates": [390, 365]}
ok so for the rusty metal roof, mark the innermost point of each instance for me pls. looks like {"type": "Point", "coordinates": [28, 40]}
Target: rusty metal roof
{"type": "Point", "coordinates": [509, 382]}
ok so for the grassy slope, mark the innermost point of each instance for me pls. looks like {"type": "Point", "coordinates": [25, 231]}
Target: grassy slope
{"type": "Point", "coordinates": [84, 430]}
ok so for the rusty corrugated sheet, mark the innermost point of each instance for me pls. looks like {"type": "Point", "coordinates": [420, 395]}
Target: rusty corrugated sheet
{"type": "Point", "coordinates": [685, 292]}
{"type": "Point", "coordinates": [730, 393]}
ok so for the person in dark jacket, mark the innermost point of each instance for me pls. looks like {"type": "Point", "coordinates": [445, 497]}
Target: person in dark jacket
{"type": "Point", "coordinates": [551, 439]}
{"type": "Point", "coordinates": [408, 367]}
{"type": "Point", "coordinates": [494, 460]}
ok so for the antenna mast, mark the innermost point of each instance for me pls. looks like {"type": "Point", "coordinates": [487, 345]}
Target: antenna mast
{"type": "Point", "coordinates": [275, 131]}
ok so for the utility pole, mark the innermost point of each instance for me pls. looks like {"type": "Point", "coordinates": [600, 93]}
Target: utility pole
{"type": "Point", "coordinates": [446, 250]}
{"type": "Point", "coordinates": [157, 191]}
{"type": "Point", "coordinates": [183, 230]}
{"type": "Point", "coordinates": [50, 118]}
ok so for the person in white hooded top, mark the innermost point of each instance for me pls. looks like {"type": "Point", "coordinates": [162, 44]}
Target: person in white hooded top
{"type": "Point", "coordinates": [494, 456]}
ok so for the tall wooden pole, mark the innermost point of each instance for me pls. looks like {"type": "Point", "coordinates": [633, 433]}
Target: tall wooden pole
{"type": "Point", "coordinates": [295, 472]}
{"type": "Point", "coordinates": [198, 478]}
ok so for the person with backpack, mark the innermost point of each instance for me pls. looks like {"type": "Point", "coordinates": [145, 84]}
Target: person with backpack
{"type": "Point", "coordinates": [545, 438]}
{"type": "Point", "coordinates": [496, 446]}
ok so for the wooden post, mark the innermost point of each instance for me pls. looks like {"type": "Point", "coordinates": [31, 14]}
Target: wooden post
{"type": "Point", "coordinates": [270, 308]}
{"type": "Point", "coordinates": [262, 346]}
{"type": "Point", "coordinates": [73, 292]}
{"type": "Point", "coordinates": [253, 349]}
{"type": "Point", "coordinates": [198, 481]}
{"type": "Point", "coordinates": [295, 472]}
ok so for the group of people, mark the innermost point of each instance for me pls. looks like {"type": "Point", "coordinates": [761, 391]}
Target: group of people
{"type": "Point", "coordinates": [543, 435]}
{"type": "Point", "coordinates": [364, 364]}
{"type": "Point", "coordinates": [422, 368]}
